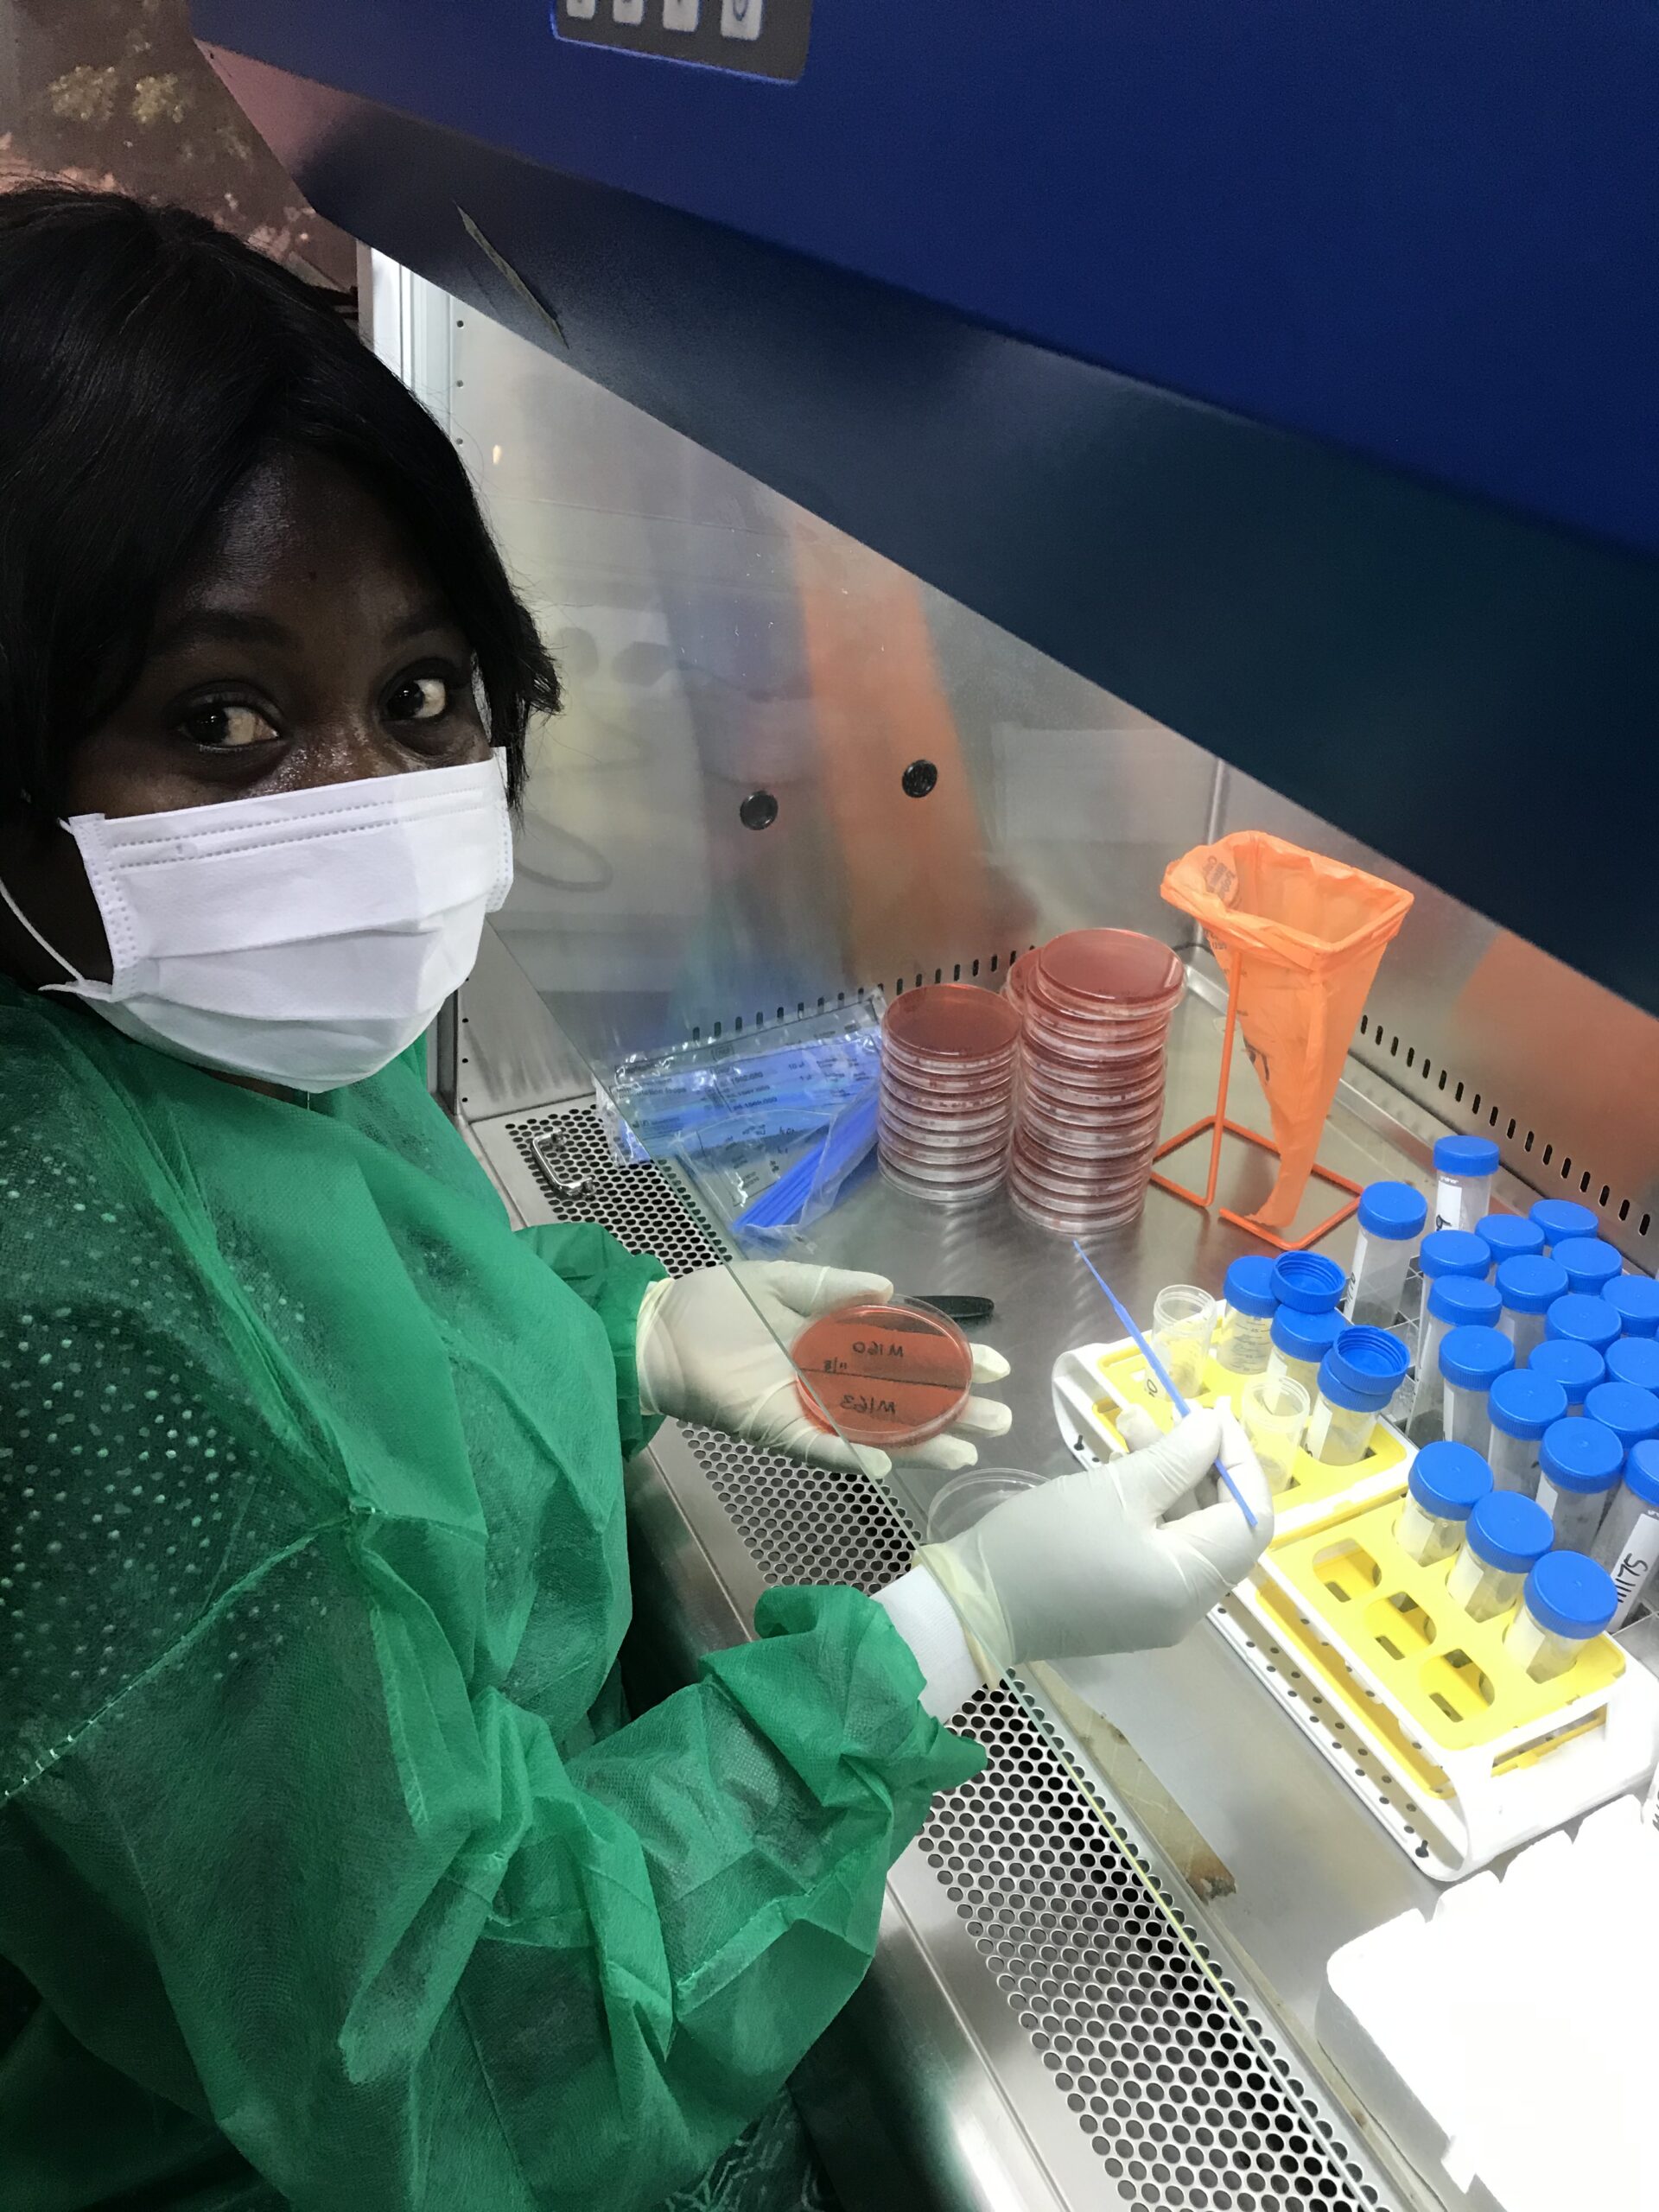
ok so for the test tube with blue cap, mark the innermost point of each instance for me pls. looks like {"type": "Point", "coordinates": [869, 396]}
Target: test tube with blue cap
{"type": "Point", "coordinates": [1447, 1252]}
{"type": "Point", "coordinates": [1509, 1237]}
{"type": "Point", "coordinates": [1464, 1168]}
{"type": "Point", "coordinates": [1583, 1321]}
{"type": "Point", "coordinates": [1634, 1360]}
{"type": "Point", "coordinates": [1391, 1218]}
{"type": "Point", "coordinates": [1455, 1302]}
{"type": "Point", "coordinates": [1243, 1338]}
{"type": "Point", "coordinates": [1528, 1286]}
{"type": "Point", "coordinates": [1560, 1218]}
{"type": "Point", "coordinates": [1567, 1602]}
{"type": "Point", "coordinates": [1504, 1538]}
{"type": "Point", "coordinates": [1357, 1376]}
{"type": "Point", "coordinates": [1578, 1465]}
{"type": "Point", "coordinates": [1635, 1299]}
{"type": "Point", "coordinates": [1470, 1361]}
{"type": "Point", "coordinates": [1627, 1542]}
{"type": "Point", "coordinates": [1522, 1407]}
{"type": "Point", "coordinates": [1577, 1366]}
{"type": "Point", "coordinates": [1590, 1264]}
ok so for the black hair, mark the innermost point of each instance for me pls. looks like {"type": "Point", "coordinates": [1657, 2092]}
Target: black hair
{"type": "Point", "coordinates": [149, 363]}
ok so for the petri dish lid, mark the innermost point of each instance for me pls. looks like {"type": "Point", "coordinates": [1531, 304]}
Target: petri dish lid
{"type": "Point", "coordinates": [1070, 1223]}
{"type": "Point", "coordinates": [1118, 966]}
{"type": "Point", "coordinates": [966, 1499]}
{"type": "Point", "coordinates": [941, 1166]}
{"type": "Point", "coordinates": [942, 1194]}
{"type": "Point", "coordinates": [951, 1021]}
{"type": "Point", "coordinates": [888, 1376]}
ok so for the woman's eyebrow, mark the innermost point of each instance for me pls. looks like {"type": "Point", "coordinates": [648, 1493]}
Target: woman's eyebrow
{"type": "Point", "coordinates": [435, 615]}
{"type": "Point", "coordinates": [220, 625]}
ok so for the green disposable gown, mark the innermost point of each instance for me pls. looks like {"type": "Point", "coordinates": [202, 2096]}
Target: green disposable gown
{"type": "Point", "coordinates": [325, 1848]}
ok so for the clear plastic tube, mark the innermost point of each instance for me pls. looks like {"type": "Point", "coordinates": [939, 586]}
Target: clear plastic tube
{"type": "Point", "coordinates": [1514, 1462]}
{"type": "Point", "coordinates": [1524, 1331]}
{"type": "Point", "coordinates": [1428, 1408]}
{"type": "Point", "coordinates": [1303, 1372]}
{"type": "Point", "coordinates": [1182, 1322]}
{"type": "Point", "coordinates": [1483, 1591]}
{"type": "Point", "coordinates": [1543, 1651]}
{"type": "Point", "coordinates": [1627, 1545]}
{"type": "Point", "coordinates": [1423, 1537]}
{"type": "Point", "coordinates": [1462, 1200]}
{"type": "Point", "coordinates": [1243, 1342]}
{"type": "Point", "coordinates": [1467, 1420]}
{"type": "Point", "coordinates": [1273, 1409]}
{"type": "Point", "coordinates": [1378, 1281]}
{"type": "Point", "coordinates": [1577, 1514]}
{"type": "Point", "coordinates": [1340, 1436]}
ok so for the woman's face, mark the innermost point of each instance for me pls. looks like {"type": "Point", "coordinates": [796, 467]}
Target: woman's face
{"type": "Point", "coordinates": [303, 647]}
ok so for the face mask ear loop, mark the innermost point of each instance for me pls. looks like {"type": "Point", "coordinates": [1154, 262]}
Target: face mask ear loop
{"type": "Point", "coordinates": [51, 951]}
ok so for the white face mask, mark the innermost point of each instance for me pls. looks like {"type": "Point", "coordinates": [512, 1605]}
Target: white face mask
{"type": "Point", "coordinates": [306, 938]}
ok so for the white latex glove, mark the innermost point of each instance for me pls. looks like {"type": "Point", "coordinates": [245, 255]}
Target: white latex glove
{"type": "Point", "coordinates": [1085, 1564]}
{"type": "Point", "coordinates": [712, 1348]}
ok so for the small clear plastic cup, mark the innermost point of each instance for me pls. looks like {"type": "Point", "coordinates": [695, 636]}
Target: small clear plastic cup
{"type": "Point", "coordinates": [961, 1503]}
{"type": "Point", "coordinates": [1182, 1322]}
{"type": "Point", "coordinates": [1273, 1409]}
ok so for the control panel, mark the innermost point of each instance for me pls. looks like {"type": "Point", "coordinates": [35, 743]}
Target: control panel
{"type": "Point", "coordinates": [762, 38]}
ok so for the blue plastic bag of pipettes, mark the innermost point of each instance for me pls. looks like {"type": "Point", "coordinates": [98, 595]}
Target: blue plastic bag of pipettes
{"type": "Point", "coordinates": [768, 1128]}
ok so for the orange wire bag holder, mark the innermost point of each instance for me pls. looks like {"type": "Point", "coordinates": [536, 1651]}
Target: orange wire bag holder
{"type": "Point", "coordinates": [1298, 938]}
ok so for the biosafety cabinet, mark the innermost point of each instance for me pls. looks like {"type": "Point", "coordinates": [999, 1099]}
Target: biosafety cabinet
{"type": "Point", "coordinates": [964, 458]}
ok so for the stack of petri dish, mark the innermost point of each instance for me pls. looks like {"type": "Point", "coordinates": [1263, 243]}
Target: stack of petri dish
{"type": "Point", "coordinates": [948, 1066]}
{"type": "Point", "coordinates": [1094, 1007]}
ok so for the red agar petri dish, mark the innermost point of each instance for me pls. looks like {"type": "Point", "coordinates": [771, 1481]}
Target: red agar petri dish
{"type": "Point", "coordinates": [1092, 971]}
{"type": "Point", "coordinates": [950, 1022]}
{"type": "Point", "coordinates": [887, 1376]}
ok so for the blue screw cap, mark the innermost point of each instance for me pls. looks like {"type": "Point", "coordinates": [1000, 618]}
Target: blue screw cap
{"type": "Point", "coordinates": [1447, 1480]}
{"type": "Point", "coordinates": [1509, 1237]}
{"type": "Point", "coordinates": [1309, 1282]}
{"type": "Point", "coordinates": [1581, 1455]}
{"type": "Point", "coordinates": [1590, 1264]}
{"type": "Point", "coordinates": [1510, 1532]}
{"type": "Point", "coordinates": [1472, 1359]}
{"type": "Point", "coordinates": [1248, 1287]}
{"type": "Point", "coordinates": [1465, 1156]}
{"type": "Point", "coordinates": [1523, 1403]}
{"type": "Point", "coordinates": [1531, 1284]}
{"type": "Point", "coordinates": [1587, 1321]}
{"type": "Point", "coordinates": [1454, 1252]}
{"type": "Point", "coordinates": [1465, 1302]}
{"type": "Point", "coordinates": [1632, 1413]}
{"type": "Point", "coordinates": [1576, 1366]}
{"type": "Point", "coordinates": [1560, 1218]}
{"type": "Point", "coordinates": [1571, 1595]}
{"type": "Point", "coordinates": [1394, 1210]}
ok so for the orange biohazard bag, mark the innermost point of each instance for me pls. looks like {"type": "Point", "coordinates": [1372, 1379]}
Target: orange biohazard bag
{"type": "Point", "coordinates": [1300, 938]}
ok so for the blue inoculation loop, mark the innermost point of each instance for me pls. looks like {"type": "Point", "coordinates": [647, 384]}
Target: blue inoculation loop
{"type": "Point", "coordinates": [1157, 1367]}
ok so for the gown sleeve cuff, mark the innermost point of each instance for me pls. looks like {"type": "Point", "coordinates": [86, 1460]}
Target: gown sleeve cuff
{"type": "Point", "coordinates": [926, 1619]}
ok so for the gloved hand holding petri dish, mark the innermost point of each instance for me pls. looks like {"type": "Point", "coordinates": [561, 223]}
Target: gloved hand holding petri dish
{"type": "Point", "coordinates": [819, 1363]}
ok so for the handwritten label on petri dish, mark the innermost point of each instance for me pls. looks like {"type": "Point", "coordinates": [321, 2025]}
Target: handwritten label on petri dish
{"type": "Point", "coordinates": [886, 1375]}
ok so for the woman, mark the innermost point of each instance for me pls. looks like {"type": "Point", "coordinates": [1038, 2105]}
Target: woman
{"type": "Point", "coordinates": [331, 1870]}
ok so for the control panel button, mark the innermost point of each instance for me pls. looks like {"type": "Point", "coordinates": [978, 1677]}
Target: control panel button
{"type": "Point", "coordinates": [627, 11]}
{"type": "Point", "coordinates": [681, 15]}
{"type": "Point", "coordinates": [741, 18]}
{"type": "Point", "coordinates": [582, 11]}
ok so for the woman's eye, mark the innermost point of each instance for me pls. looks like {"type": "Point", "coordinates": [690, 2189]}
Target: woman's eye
{"type": "Point", "coordinates": [420, 699]}
{"type": "Point", "coordinates": [227, 727]}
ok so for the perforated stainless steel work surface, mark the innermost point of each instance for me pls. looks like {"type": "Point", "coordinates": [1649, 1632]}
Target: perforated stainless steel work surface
{"type": "Point", "coordinates": [1178, 2088]}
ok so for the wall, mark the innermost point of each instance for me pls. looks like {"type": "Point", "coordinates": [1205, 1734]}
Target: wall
{"type": "Point", "coordinates": [113, 93]}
